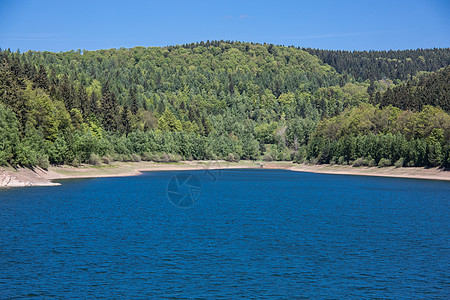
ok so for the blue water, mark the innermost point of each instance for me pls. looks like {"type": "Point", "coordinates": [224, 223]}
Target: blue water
{"type": "Point", "coordinates": [247, 234]}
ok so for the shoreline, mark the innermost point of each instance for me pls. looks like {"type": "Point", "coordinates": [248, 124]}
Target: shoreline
{"type": "Point", "coordinates": [22, 177]}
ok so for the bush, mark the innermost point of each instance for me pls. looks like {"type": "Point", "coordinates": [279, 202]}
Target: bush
{"type": "Point", "coordinates": [411, 163]}
{"type": "Point", "coordinates": [155, 157]}
{"type": "Point", "coordinates": [232, 157]}
{"type": "Point", "coordinates": [145, 156]}
{"type": "Point", "coordinates": [341, 160]}
{"type": "Point", "coordinates": [174, 157]}
{"type": "Point", "coordinates": [163, 158]}
{"type": "Point", "coordinates": [399, 163]}
{"type": "Point", "coordinates": [314, 161]}
{"type": "Point", "coordinates": [211, 156]}
{"type": "Point", "coordinates": [126, 158]}
{"type": "Point", "coordinates": [75, 162]}
{"type": "Point", "coordinates": [135, 157]}
{"type": "Point", "coordinates": [333, 160]}
{"type": "Point", "coordinates": [359, 162]}
{"type": "Point", "coordinates": [384, 162]}
{"type": "Point", "coordinates": [286, 155]}
{"type": "Point", "coordinates": [106, 159]}
{"type": "Point", "coordinates": [366, 162]}
{"type": "Point", "coordinates": [298, 157]}
{"type": "Point", "coordinates": [267, 157]}
{"type": "Point", "coordinates": [42, 161]}
{"type": "Point", "coordinates": [371, 162]}
{"type": "Point", "coordinates": [94, 159]}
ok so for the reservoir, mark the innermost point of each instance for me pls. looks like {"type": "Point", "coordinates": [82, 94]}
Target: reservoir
{"type": "Point", "coordinates": [224, 234]}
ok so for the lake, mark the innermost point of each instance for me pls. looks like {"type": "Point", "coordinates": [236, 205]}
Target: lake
{"type": "Point", "coordinates": [227, 234]}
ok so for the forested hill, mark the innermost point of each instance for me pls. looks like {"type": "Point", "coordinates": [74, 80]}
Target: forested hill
{"type": "Point", "coordinates": [213, 100]}
{"type": "Point", "coordinates": [219, 68]}
{"type": "Point", "coordinates": [377, 65]}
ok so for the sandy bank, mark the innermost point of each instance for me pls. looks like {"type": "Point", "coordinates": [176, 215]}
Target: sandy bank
{"type": "Point", "coordinates": [416, 173]}
{"type": "Point", "coordinates": [10, 177]}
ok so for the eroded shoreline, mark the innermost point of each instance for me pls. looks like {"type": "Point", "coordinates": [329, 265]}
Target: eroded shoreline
{"type": "Point", "coordinates": [10, 177]}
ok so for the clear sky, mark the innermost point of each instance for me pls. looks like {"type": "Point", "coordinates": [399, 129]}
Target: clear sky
{"type": "Point", "coordinates": [61, 25]}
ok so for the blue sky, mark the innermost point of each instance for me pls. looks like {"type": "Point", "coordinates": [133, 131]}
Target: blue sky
{"type": "Point", "coordinates": [347, 25]}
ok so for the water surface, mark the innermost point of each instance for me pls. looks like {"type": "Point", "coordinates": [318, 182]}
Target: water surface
{"type": "Point", "coordinates": [250, 234]}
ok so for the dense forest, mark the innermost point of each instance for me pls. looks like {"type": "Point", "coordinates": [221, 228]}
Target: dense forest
{"type": "Point", "coordinates": [432, 89]}
{"type": "Point", "coordinates": [397, 65]}
{"type": "Point", "coordinates": [225, 100]}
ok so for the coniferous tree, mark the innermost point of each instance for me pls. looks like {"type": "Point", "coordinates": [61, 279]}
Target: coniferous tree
{"type": "Point", "coordinates": [41, 79]}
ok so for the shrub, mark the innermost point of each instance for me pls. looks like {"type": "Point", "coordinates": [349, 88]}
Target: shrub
{"type": "Point", "coordinates": [42, 161]}
{"type": "Point", "coordinates": [267, 157]}
{"type": "Point", "coordinates": [211, 156]}
{"type": "Point", "coordinates": [359, 162]}
{"type": "Point", "coordinates": [314, 161]}
{"type": "Point", "coordinates": [174, 157]}
{"type": "Point", "coordinates": [75, 162]}
{"type": "Point", "coordinates": [286, 155]}
{"type": "Point", "coordinates": [298, 157]}
{"type": "Point", "coordinates": [333, 160]}
{"type": "Point", "coordinates": [135, 157]}
{"type": "Point", "coordinates": [164, 158]}
{"type": "Point", "coordinates": [145, 156]}
{"type": "Point", "coordinates": [106, 159]}
{"type": "Point", "coordinates": [232, 157]}
{"type": "Point", "coordinates": [341, 160]}
{"type": "Point", "coordinates": [94, 159]}
{"type": "Point", "coordinates": [126, 157]}
{"type": "Point", "coordinates": [384, 162]}
{"type": "Point", "coordinates": [399, 163]}
{"type": "Point", "coordinates": [155, 157]}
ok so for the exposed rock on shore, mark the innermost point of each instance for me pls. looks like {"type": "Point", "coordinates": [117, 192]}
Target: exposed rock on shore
{"type": "Point", "coordinates": [10, 177]}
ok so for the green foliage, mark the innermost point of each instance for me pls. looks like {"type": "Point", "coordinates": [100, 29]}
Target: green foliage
{"type": "Point", "coordinates": [360, 162]}
{"type": "Point", "coordinates": [94, 159]}
{"type": "Point", "coordinates": [375, 65]}
{"type": "Point", "coordinates": [43, 162]}
{"type": "Point", "coordinates": [384, 162]}
{"type": "Point", "coordinates": [428, 89]}
{"type": "Point", "coordinates": [232, 157]}
{"type": "Point", "coordinates": [431, 123]}
{"type": "Point", "coordinates": [399, 163]}
{"type": "Point", "coordinates": [9, 135]}
{"type": "Point", "coordinates": [106, 159]}
{"type": "Point", "coordinates": [135, 157]}
{"type": "Point", "coordinates": [168, 122]}
{"type": "Point", "coordinates": [223, 100]}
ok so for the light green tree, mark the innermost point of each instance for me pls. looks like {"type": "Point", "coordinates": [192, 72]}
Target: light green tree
{"type": "Point", "coordinates": [168, 122]}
